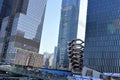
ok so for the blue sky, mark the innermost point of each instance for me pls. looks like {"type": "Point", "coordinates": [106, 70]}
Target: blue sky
{"type": "Point", "coordinates": [51, 26]}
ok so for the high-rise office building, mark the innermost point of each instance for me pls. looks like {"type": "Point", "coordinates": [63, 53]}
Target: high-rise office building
{"type": "Point", "coordinates": [21, 31]}
{"type": "Point", "coordinates": [67, 29]}
{"type": "Point", "coordinates": [5, 8]}
{"type": "Point", "coordinates": [46, 58]}
{"type": "Point", "coordinates": [102, 43]}
{"type": "Point", "coordinates": [56, 58]}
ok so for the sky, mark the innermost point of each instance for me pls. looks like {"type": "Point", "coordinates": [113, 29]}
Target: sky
{"type": "Point", "coordinates": [51, 25]}
{"type": "Point", "coordinates": [50, 32]}
{"type": "Point", "coordinates": [82, 20]}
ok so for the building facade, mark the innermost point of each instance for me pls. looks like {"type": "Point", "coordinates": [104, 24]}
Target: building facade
{"type": "Point", "coordinates": [21, 31]}
{"type": "Point", "coordinates": [102, 43]}
{"type": "Point", "coordinates": [56, 58]}
{"type": "Point", "coordinates": [51, 61]}
{"type": "Point", "coordinates": [5, 8]}
{"type": "Point", "coordinates": [31, 60]}
{"type": "Point", "coordinates": [46, 59]}
{"type": "Point", "coordinates": [67, 29]}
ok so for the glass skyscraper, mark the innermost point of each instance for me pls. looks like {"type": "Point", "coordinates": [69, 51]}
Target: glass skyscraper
{"type": "Point", "coordinates": [102, 43]}
{"type": "Point", "coordinates": [5, 8]}
{"type": "Point", "coordinates": [21, 31]}
{"type": "Point", "coordinates": [68, 29]}
{"type": "Point", "coordinates": [56, 58]}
